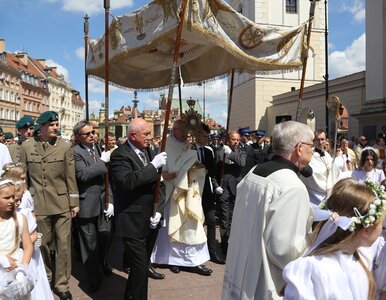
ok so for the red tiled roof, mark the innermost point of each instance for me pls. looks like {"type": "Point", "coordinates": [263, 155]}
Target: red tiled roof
{"type": "Point", "coordinates": [16, 62]}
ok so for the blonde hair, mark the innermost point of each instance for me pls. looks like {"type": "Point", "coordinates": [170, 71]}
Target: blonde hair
{"type": "Point", "coordinates": [14, 217]}
{"type": "Point", "coordinates": [13, 171]}
{"type": "Point", "coordinates": [347, 194]}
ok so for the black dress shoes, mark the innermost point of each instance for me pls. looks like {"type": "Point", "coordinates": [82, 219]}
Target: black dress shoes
{"type": "Point", "coordinates": [65, 296]}
{"type": "Point", "coordinates": [175, 269]}
{"type": "Point", "coordinates": [151, 273]}
{"type": "Point", "coordinates": [217, 260]}
{"type": "Point", "coordinates": [204, 271]}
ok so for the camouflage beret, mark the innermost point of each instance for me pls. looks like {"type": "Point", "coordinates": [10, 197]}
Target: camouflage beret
{"type": "Point", "coordinates": [47, 116]}
{"type": "Point", "coordinates": [25, 121]}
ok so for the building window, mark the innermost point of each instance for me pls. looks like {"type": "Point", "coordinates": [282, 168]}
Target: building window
{"type": "Point", "coordinates": [291, 7]}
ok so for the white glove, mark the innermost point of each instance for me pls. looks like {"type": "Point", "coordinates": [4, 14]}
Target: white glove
{"type": "Point", "coordinates": [4, 262]}
{"type": "Point", "coordinates": [227, 150]}
{"type": "Point", "coordinates": [155, 220]}
{"type": "Point", "coordinates": [38, 241]}
{"type": "Point", "coordinates": [219, 190]}
{"type": "Point", "coordinates": [105, 156]}
{"type": "Point", "coordinates": [109, 212]}
{"type": "Point", "coordinates": [20, 276]}
{"type": "Point", "coordinates": [159, 160]}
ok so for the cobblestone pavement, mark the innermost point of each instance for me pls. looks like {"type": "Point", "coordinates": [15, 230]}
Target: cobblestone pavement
{"type": "Point", "coordinates": [184, 285]}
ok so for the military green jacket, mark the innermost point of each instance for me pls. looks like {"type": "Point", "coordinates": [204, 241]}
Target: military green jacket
{"type": "Point", "coordinates": [51, 176]}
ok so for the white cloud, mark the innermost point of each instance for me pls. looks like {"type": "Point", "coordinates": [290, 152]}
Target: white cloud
{"type": "Point", "coordinates": [94, 106]}
{"type": "Point", "coordinates": [356, 8]}
{"type": "Point", "coordinates": [90, 7]}
{"type": "Point", "coordinates": [98, 87]}
{"type": "Point", "coordinates": [59, 69]}
{"type": "Point", "coordinates": [351, 60]}
{"type": "Point", "coordinates": [151, 104]}
{"type": "Point", "coordinates": [80, 53]}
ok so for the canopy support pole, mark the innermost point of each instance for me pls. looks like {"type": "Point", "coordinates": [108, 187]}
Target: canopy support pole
{"type": "Point", "coordinates": [170, 94]}
{"type": "Point", "coordinates": [86, 37]}
{"type": "Point", "coordinates": [107, 39]}
{"type": "Point", "coordinates": [301, 91]}
{"type": "Point", "coordinates": [227, 126]}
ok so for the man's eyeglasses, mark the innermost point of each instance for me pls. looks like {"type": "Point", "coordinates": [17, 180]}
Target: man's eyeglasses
{"type": "Point", "coordinates": [92, 132]}
{"type": "Point", "coordinates": [312, 146]}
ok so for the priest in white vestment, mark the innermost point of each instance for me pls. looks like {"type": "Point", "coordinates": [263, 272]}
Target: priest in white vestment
{"type": "Point", "coordinates": [324, 173]}
{"type": "Point", "coordinates": [182, 241]}
{"type": "Point", "coordinates": [272, 218]}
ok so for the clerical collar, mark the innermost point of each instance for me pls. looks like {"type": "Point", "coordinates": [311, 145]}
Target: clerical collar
{"type": "Point", "coordinates": [320, 151]}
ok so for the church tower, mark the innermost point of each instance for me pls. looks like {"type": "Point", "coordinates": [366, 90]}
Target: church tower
{"type": "Point", "coordinates": [252, 93]}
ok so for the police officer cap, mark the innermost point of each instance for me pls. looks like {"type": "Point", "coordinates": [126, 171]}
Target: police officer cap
{"type": "Point", "coordinates": [47, 116]}
{"type": "Point", "coordinates": [25, 121]}
{"type": "Point", "coordinates": [244, 131]}
{"type": "Point", "coordinates": [8, 135]}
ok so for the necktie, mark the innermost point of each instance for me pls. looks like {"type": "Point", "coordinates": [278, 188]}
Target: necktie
{"type": "Point", "coordinates": [202, 158]}
{"type": "Point", "coordinates": [92, 152]}
{"type": "Point", "coordinates": [45, 146]}
{"type": "Point", "coordinates": [143, 157]}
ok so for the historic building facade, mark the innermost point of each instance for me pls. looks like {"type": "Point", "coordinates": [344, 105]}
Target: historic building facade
{"type": "Point", "coordinates": [252, 94]}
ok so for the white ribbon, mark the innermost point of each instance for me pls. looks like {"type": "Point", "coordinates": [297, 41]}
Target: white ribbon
{"type": "Point", "coordinates": [333, 222]}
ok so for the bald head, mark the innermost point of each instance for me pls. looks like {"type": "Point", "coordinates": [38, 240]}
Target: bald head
{"type": "Point", "coordinates": [139, 133]}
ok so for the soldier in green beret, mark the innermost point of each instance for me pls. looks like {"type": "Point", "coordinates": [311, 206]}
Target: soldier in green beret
{"type": "Point", "coordinates": [9, 138]}
{"type": "Point", "coordinates": [52, 183]}
{"type": "Point", "coordinates": [25, 130]}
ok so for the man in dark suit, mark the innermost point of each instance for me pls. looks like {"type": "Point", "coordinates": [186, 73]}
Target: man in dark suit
{"type": "Point", "coordinates": [206, 157]}
{"type": "Point", "coordinates": [244, 145]}
{"type": "Point", "coordinates": [134, 173]}
{"type": "Point", "coordinates": [235, 159]}
{"type": "Point", "coordinates": [94, 216]}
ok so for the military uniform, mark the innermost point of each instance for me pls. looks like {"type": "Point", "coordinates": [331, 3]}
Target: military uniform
{"type": "Point", "coordinates": [52, 184]}
{"type": "Point", "coordinates": [15, 149]}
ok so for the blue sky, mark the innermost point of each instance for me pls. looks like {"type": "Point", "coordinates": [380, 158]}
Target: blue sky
{"type": "Point", "coordinates": [53, 29]}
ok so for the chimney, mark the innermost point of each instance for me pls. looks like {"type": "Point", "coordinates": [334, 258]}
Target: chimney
{"type": "Point", "coordinates": [2, 45]}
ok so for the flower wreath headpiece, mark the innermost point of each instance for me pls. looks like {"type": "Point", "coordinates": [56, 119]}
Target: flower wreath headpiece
{"type": "Point", "coordinates": [375, 211]}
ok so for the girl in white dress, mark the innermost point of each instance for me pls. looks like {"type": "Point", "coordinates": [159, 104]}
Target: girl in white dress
{"type": "Point", "coordinates": [17, 173]}
{"type": "Point", "coordinates": [333, 268]}
{"type": "Point", "coordinates": [14, 260]}
{"type": "Point", "coordinates": [367, 170]}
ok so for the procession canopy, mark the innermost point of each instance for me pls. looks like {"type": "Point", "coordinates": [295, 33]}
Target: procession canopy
{"type": "Point", "coordinates": [215, 40]}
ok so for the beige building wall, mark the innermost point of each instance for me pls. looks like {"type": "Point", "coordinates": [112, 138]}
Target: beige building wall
{"type": "Point", "coordinates": [252, 94]}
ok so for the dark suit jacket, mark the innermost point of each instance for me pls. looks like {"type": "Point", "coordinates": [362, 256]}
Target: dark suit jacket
{"type": "Point", "coordinates": [233, 172]}
{"type": "Point", "coordinates": [210, 178]}
{"type": "Point", "coordinates": [250, 160]}
{"type": "Point", "coordinates": [133, 187]}
{"type": "Point", "coordinates": [90, 178]}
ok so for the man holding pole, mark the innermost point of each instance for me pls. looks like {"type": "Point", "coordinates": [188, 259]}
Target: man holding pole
{"type": "Point", "coordinates": [134, 174]}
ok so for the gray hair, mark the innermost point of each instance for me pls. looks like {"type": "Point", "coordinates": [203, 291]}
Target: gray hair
{"type": "Point", "coordinates": [78, 126]}
{"type": "Point", "coordinates": [287, 135]}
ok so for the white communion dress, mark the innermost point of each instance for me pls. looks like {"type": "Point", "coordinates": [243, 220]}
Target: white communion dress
{"type": "Point", "coordinates": [321, 277]}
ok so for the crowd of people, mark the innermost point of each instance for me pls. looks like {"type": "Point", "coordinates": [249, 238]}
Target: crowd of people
{"type": "Point", "coordinates": [307, 211]}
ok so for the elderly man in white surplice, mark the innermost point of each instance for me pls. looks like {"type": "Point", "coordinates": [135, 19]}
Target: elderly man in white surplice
{"type": "Point", "coordinates": [181, 242]}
